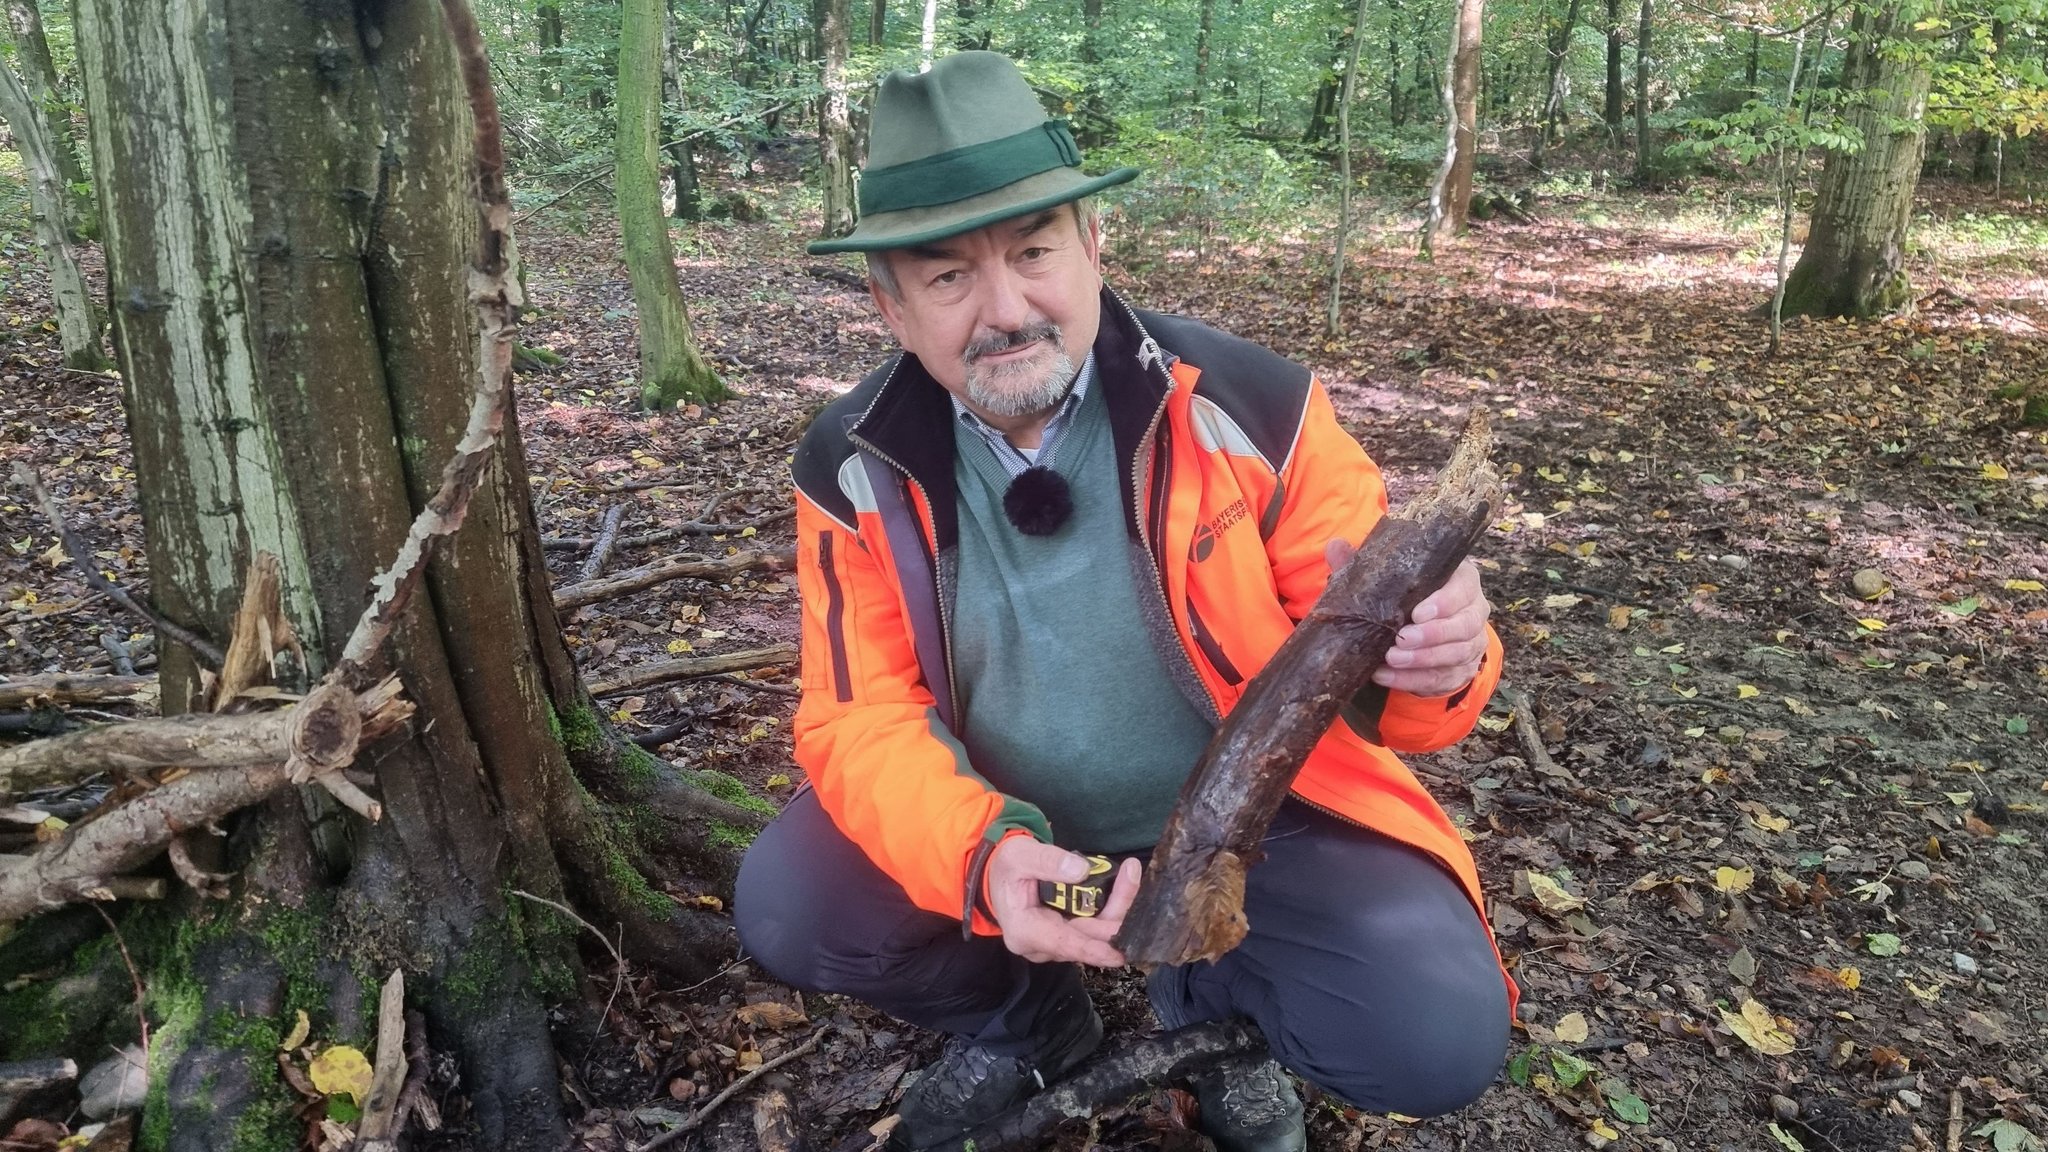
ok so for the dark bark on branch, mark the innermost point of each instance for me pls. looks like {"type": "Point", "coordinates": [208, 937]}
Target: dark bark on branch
{"type": "Point", "coordinates": [1192, 905]}
{"type": "Point", "coordinates": [1110, 1081]}
{"type": "Point", "coordinates": [693, 668]}
{"type": "Point", "coordinates": [674, 568]}
{"type": "Point", "coordinates": [63, 688]}
{"type": "Point", "coordinates": [601, 548]}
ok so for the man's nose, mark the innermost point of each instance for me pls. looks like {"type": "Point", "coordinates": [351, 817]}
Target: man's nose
{"type": "Point", "coordinates": [1003, 306]}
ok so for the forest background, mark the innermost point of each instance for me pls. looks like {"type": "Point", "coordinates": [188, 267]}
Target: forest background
{"type": "Point", "coordinates": [1756, 293]}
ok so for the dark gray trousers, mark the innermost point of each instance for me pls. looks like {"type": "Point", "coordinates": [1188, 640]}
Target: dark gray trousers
{"type": "Point", "coordinates": [1366, 967]}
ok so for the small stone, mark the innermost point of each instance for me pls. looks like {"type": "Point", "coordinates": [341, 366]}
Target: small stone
{"type": "Point", "coordinates": [115, 1085]}
{"type": "Point", "coordinates": [883, 1041]}
{"type": "Point", "coordinates": [1965, 966]}
{"type": "Point", "coordinates": [1914, 869]}
{"type": "Point", "coordinates": [1652, 755]}
{"type": "Point", "coordinates": [1784, 1107]}
{"type": "Point", "coordinates": [1910, 1098]}
{"type": "Point", "coordinates": [1986, 924]}
{"type": "Point", "coordinates": [1731, 560]}
{"type": "Point", "coordinates": [1869, 584]}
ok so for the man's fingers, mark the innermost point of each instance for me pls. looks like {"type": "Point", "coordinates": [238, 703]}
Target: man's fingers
{"type": "Point", "coordinates": [1336, 552]}
{"type": "Point", "coordinates": [1124, 894]}
{"type": "Point", "coordinates": [1448, 655]}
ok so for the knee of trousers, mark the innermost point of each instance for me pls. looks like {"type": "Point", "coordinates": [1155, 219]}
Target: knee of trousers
{"type": "Point", "coordinates": [780, 913]}
{"type": "Point", "coordinates": [1418, 1056]}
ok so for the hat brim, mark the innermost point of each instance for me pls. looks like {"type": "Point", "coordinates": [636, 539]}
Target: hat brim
{"type": "Point", "coordinates": [913, 226]}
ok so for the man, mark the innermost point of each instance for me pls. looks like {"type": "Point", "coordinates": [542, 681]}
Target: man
{"type": "Point", "coordinates": [1040, 552]}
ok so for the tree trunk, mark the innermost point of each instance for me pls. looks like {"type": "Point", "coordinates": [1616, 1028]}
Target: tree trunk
{"type": "Point", "coordinates": [1854, 260]}
{"type": "Point", "coordinates": [672, 371]}
{"type": "Point", "coordinates": [1092, 126]}
{"type": "Point", "coordinates": [1750, 65]}
{"type": "Point", "coordinates": [1450, 197]}
{"type": "Point", "coordinates": [1643, 28]}
{"type": "Point", "coordinates": [1397, 104]}
{"type": "Point", "coordinates": [1612, 107]}
{"type": "Point", "coordinates": [966, 37]}
{"type": "Point", "coordinates": [682, 166]}
{"type": "Point", "coordinates": [1203, 36]}
{"type": "Point", "coordinates": [290, 246]}
{"type": "Point", "coordinates": [1991, 144]}
{"type": "Point", "coordinates": [78, 323]}
{"type": "Point", "coordinates": [928, 36]}
{"type": "Point", "coordinates": [1337, 258]}
{"type": "Point", "coordinates": [39, 76]}
{"type": "Point", "coordinates": [1559, 44]}
{"type": "Point", "coordinates": [878, 22]}
{"type": "Point", "coordinates": [835, 135]}
{"type": "Point", "coordinates": [548, 34]}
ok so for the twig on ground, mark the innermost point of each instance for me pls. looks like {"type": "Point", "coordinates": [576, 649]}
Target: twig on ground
{"type": "Point", "coordinates": [601, 551]}
{"type": "Point", "coordinates": [1955, 1119]}
{"type": "Point", "coordinates": [134, 976]}
{"type": "Point", "coordinates": [82, 559]}
{"type": "Point", "coordinates": [378, 1129]}
{"type": "Point", "coordinates": [693, 668]}
{"type": "Point", "coordinates": [414, 1102]}
{"type": "Point", "coordinates": [672, 533]}
{"type": "Point", "coordinates": [697, 1118]}
{"type": "Point", "coordinates": [646, 576]}
{"type": "Point", "coordinates": [777, 1127]}
{"type": "Point", "coordinates": [618, 958]}
{"type": "Point", "coordinates": [117, 652]}
{"type": "Point", "coordinates": [1532, 738]}
{"type": "Point", "coordinates": [760, 686]}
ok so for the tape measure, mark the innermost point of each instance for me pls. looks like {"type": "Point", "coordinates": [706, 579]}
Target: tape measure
{"type": "Point", "coordinates": [1083, 898]}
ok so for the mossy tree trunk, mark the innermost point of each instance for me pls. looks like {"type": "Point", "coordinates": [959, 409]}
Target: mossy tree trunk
{"type": "Point", "coordinates": [289, 248]}
{"type": "Point", "coordinates": [835, 136]}
{"type": "Point", "coordinates": [1855, 255]}
{"type": "Point", "coordinates": [39, 75]}
{"type": "Point", "coordinates": [78, 322]}
{"type": "Point", "coordinates": [672, 370]}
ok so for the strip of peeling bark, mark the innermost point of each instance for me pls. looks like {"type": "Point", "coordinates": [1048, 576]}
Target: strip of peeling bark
{"type": "Point", "coordinates": [575, 596]}
{"type": "Point", "coordinates": [1192, 904]}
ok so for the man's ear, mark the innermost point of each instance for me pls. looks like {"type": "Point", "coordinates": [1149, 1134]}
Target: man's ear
{"type": "Point", "coordinates": [1094, 241]}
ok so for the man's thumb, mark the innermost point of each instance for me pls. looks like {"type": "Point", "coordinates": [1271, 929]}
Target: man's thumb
{"type": "Point", "coordinates": [1057, 862]}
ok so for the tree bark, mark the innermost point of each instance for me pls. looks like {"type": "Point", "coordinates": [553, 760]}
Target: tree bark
{"type": "Point", "coordinates": [548, 35]}
{"type": "Point", "coordinates": [1558, 44]}
{"type": "Point", "coordinates": [290, 251]}
{"type": "Point", "coordinates": [1203, 35]}
{"type": "Point", "coordinates": [1854, 260]}
{"type": "Point", "coordinates": [1643, 29]}
{"type": "Point", "coordinates": [78, 323]}
{"type": "Point", "coordinates": [1612, 106]}
{"type": "Point", "coordinates": [672, 370]}
{"type": "Point", "coordinates": [1450, 197]}
{"type": "Point", "coordinates": [1192, 905]}
{"type": "Point", "coordinates": [1333, 321]}
{"type": "Point", "coordinates": [928, 35]}
{"type": "Point", "coordinates": [835, 129]}
{"type": "Point", "coordinates": [878, 22]}
{"type": "Point", "coordinates": [39, 75]}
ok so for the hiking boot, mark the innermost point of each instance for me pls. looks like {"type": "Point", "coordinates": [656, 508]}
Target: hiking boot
{"type": "Point", "coordinates": [968, 1085]}
{"type": "Point", "coordinates": [1251, 1107]}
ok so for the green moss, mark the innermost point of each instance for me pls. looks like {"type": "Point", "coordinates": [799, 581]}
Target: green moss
{"type": "Point", "coordinates": [578, 730]}
{"type": "Point", "coordinates": [33, 1021]}
{"type": "Point", "coordinates": [639, 768]}
{"type": "Point", "coordinates": [731, 790]}
{"type": "Point", "coordinates": [731, 836]}
{"type": "Point", "coordinates": [620, 871]}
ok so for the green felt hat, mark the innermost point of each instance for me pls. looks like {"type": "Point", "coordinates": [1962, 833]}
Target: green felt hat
{"type": "Point", "coordinates": [960, 147]}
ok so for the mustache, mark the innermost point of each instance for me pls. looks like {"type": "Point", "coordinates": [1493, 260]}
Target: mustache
{"type": "Point", "coordinates": [1005, 341]}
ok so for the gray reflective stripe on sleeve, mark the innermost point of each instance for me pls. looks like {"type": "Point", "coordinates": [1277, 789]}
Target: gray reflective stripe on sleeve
{"type": "Point", "coordinates": [914, 572]}
{"type": "Point", "coordinates": [853, 481]}
{"type": "Point", "coordinates": [1216, 431]}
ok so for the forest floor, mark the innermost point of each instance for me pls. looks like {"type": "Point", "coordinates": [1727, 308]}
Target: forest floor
{"type": "Point", "coordinates": [1784, 833]}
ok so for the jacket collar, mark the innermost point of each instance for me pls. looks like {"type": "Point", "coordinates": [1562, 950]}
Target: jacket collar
{"type": "Point", "coordinates": [910, 422]}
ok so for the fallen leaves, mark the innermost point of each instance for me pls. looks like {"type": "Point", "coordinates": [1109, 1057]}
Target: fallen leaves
{"type": "Point", "coordinates": [341, 1071]}
{"type": "Point", "coordinates": [1761, 1031]}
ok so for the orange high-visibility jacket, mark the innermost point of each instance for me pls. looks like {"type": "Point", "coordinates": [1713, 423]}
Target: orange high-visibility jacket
{"type": "Point", "coordinates": [1237, 475]}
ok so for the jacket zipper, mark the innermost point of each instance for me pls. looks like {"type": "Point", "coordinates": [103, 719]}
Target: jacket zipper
{"type": "Point", "coordinates": [938, 580]}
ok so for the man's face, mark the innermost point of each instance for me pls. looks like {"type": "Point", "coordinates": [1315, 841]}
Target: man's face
{"type": "Point", "coordinates": [1000, 316]}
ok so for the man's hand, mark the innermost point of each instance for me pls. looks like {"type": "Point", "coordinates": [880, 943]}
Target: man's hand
{"type": "Point", "coordinates": [1036, 932]}
{"type": "Point", "coordinates": [1439, 651]}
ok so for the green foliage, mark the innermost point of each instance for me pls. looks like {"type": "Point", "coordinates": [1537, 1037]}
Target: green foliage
{"type": "Point", "coordinates": [1761, 129]}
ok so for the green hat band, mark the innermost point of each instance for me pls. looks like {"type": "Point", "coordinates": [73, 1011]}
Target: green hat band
{"type": "Point", "coordinates": [953, 176]}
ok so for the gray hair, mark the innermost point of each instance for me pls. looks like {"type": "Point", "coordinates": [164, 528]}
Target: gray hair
{"type": "Point", "coordinates": [884, 275]}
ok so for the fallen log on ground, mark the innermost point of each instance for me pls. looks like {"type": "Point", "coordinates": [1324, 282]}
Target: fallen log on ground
{"type": "Point", "coordinates": [693, 668]}
{"type": "Point", "coordinates": [1192, 904]}
{"type": "Point", "coordinates": [1111, 1080]}
{"type": "Point", "coordinates": [34, 1075]}
{"type": "Point", "coordinates": [601, 549]}
{"type": "Point", "coordinates": [575, 596]}
{"type": "Point", "coordinates": [64, 688]}
{"type": "Point", "coordinates": [197, 740]}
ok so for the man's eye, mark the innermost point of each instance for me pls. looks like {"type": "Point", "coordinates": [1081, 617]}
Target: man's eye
{"type": "Point", "coordinates": [1036, 253]}
{"type": "Point", "coordinates": [944, 278]}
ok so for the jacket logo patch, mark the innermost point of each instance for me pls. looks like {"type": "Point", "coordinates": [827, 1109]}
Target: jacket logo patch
{"type": "Point", "coordinates": [1205, 534]}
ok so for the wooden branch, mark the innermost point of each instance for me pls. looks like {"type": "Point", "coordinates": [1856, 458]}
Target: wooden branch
{"type": "Point", "coordinates": [777, 1128]}
{"type": "Point", "coordinates": [199, 741]}
{"type": "Point", "coordinates": [24, 1076]}
{"type": "Point", "coordinates": [697, 1118]}
{"type": "Point", "coordinates": [693, 668]}
{"type": "Point", "coordinates": [64, 688]}
{"type": "Point", "coordinates": [494, 293]}
{"type": "Point", "coordinates": [672, 533]}
{"type": "Point", "coordinates": [88, 859]}
{"type": "Point", "coordinates": [378, 1129]}
{"type": "Point", "coordinates": [601, 551]}
{"type": "Point", "coordinates": [82, 559]}
{"type": "Point", "coordinates": [1110, 1080]}
{"type": "Point", "coordinates": [674, 568]}
{"type": "Point", "coordinates": [1192, 905]}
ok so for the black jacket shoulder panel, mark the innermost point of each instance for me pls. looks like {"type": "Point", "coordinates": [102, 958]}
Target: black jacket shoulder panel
{"type": "Point", "coordinates": [826, 447]}
{"type": "Point", "coordinates": [1262, 391]}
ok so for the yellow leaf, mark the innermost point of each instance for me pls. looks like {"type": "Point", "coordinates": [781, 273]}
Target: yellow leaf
{"type": "Point", "coordinates": [1871, 623]}
{"type": "Point", "coordinates": [342, 1071]}
{"type": "Point", "coordinates": [1745, 691]}
{"type": "Point", "coordinates": [1924, 995]}
{"type": "Point", "coordinates": [2023, 586]}
{"type": "Point", "coordinates": [300, 1031]}
{"type": "Point", "coordinates": [1770, 823]}
{"type": "Point", "coordinates": [1797, 707]}
{"type": "Point", "coordinates": [1618, 616]}
{"type": "Point", "coordinates": [1561, 600]}
{"type": "Point", "coordinates": [1553, 895]}
{"type": "Point", "coordinates": [1756, 1027]}
{"type": "Point", "coordinates": [779, 780]}
{"type": "Point", "coordinates": [1704, 364]}
{"type": "Point", "coordinates": [749, 530]}
{"type": "Point", "coordinates": [1995, 471]}
{"type": "Point", "coordinates": [1851, 977]}
{"type": "Point", "coordinates": [1571, 1028]}
{"type": "Point", "coordinates": [1604, 1130]}
{"type": "Point", "coordinates": [1734, 879]}
{"type": "Point", "coordinates": [679, 646]}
